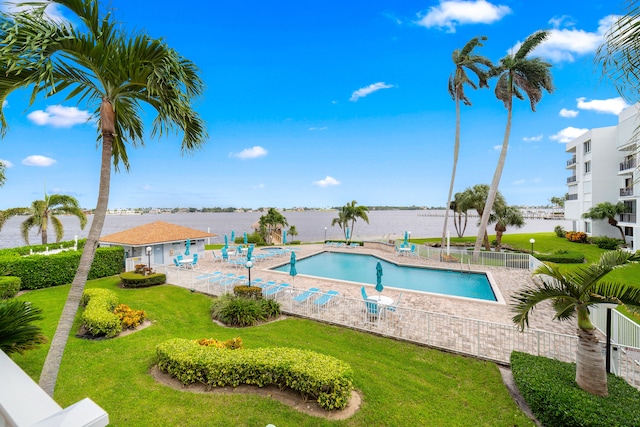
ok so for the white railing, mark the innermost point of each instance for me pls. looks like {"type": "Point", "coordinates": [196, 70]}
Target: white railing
{"type": "Point", "coordinates": [486, 258]}
{"type": "Point", "coordinates": [482, 339]}
{"type": "Point", "coordinates": [624, 331]}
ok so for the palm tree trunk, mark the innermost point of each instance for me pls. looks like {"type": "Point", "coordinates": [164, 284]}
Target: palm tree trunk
{"type": "Point", "coordinates": [51, 367]}
{"type": "Point", "coordinates": [591, 374]}
{"type": "Point", "coordinates": [456, 150]}
{"type": "Point", "coordinates": [493, 190]}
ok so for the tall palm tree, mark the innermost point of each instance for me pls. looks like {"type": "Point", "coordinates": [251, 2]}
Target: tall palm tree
{"type": "Point", "coordinates": [116, 74]}
{"type": "Point", "coordinates": [459, 211]}
{"type": "Point", "coordinates": [572, 293]}
{"type": "Point", "coordinates": [479, 65]}
{"type": "Point", "coordinates": [44, 211]}
{"type": "Point", "coordinates": [476, 198]}
{"type": "Point", "coordinates": [608, 211]}
{"type": "Point", "coordinates": [518, 76]}
{"type": "Point", "coordinates": [503, 217]}
{"type": "Point", "coordinates": [353, 213]}
{"type": "Point", "coordinates": [342, 221]}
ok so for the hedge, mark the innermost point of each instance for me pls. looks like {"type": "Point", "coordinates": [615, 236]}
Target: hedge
{"type": "Point", "coordinates": [562, 257]}
{"type": "Point", "coordinates": [43, 271]}
{"type": "Point", "coordinates": [550, 390]}
{"type": "Point", "coordinates": [135, 280]}
{"type": "Point", "coordinates": [9, 286]}
{"type": "Point", "coordinates": [98, 317]}
{"type": "Point", "coordinates": [324, 378]}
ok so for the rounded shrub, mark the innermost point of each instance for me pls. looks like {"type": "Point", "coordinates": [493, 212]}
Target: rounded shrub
{"type": "Point", "coordinates": [9, 286]}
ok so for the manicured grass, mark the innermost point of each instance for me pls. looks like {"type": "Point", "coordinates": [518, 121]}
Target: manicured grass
{"type": "Point", "coordinates": [400, 383]}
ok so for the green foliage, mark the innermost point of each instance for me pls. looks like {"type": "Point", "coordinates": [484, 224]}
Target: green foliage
{"type": "Point", "coordinates": [550, 389]}
{"type": "Point", "coordinates": [17, 331]}
{"type": "Point", "coordinates": [98, 317]}
{"type": "Point", "coordinates": [251, 292]}
{"type": "Point", "coordinates": [562, 257]}
{"type": "Point", "coordinates": [560, 231]}
{"type": "Point", "coordinates": [133, 280]}
{"type": "Point", "coordinates": [9, 286]}
{"type": "Point", "coordinates": [604, 242]}
{"type": "Point", "coordinates": [238, 311]}
{"type": "Point", "coordinates": [321, 377]}
{"type": "Point", "coordinates": [43, 271]}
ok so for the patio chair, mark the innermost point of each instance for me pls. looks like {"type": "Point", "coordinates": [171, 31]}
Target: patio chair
{"type": "Point", "coordinates": [275, 290]}
{"type": "Point", "coordinates": [216, 257]}
{"type": "Point", "coordinates": [194, 264]}
{"type": "Point", "coordinates": [364, 293]}
{"type": "Point", "coordinates": [372, 312]}
{"type": "Point", "coordinates": [303, 297]}
{"type": "Point", "coordinates": [323, 299]}
{"type": "Point", "coordinates": [394, 307]}
{"type": "Point", "coordinates": [413, 251]}
{"type": "Point", "coordinates": [175, 261]}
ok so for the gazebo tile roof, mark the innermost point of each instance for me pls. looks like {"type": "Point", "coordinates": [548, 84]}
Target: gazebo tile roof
{"type": "Point", "coordinates": [154, 232]}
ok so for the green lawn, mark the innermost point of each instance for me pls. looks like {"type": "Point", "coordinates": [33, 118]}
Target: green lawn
{"type": "Point", "coordinates": [400, 383]}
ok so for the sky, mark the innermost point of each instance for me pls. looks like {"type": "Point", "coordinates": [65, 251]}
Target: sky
{"type": "Point", "coordinates": [318, 103]}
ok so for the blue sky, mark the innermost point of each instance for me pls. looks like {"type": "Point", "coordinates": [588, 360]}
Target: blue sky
{"type": "Point", "coordinates": [319, 103]}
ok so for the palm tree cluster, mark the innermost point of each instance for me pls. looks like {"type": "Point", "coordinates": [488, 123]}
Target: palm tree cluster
{"type": "Point", "coordinates": [91, 58]}
{"type": "Point", "coordinates": [347, 217]}
{"type": "Point", "coordinates": [519, 76]}
{"type": "Point", "coordinates": [272, 221]}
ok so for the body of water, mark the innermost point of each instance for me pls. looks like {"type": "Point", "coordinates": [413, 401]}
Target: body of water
{"type": "Point", "coordinates": [312, 226]}
{"type": "Point", "coordinates": [362, 269]}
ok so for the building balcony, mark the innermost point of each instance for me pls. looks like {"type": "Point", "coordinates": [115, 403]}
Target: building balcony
{"type": "Point", "coordinates": [627, 217]}
{"type": "Point", "coordinates": [629, 164]}
{"type": "Point", "coordinates": [571, 162]}
{"type": "Point", "coordinates": [626, 192]}
{"type": "Point", "coordinates": [571, 179]}
{"type": "Point", "coordinates": [569, 197]}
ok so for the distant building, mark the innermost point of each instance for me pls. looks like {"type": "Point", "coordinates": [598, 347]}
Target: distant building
{"type": "Point", "coordinates": [603, 169]}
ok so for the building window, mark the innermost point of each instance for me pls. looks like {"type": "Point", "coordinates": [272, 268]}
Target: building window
{"type": "Point", "coordinates": [587, 147]}
{"type": "Point", "coordinates": [628, 231]}
{"type": "Point", "coordinates": [587, 227]}
{"type": "Point", "coordinates": [587, 167]}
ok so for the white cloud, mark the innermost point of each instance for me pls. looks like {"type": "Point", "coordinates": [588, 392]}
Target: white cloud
{"type": "Point", "coordinates": [608, 106]}
{"type": "Point", "coordinates": [6, 163]}
{"type": "Point", "coordinates": [568, 134]}
{"type": "Point", "coordinates": [59, 116]}
{"type": "Point", "coordinates": [250, 153]}
{"type": "Point", "coordinates": [318, 129]}
{"type": "Point", "coordinates": [450, 13]}
{"type": "Point", "coordinates": [37, 160]}
{"type": "Point", "coordinates": [565, 44]}
{"type": "Point", "coordinates": [568, 113]}
{"type": "Point", "coordinates": [259, 186]}
{"type": "Point", "coordinates": [327, 182]}
{"type": "Point", "coordinates": [362, 92]}
{"type": "Point", "coordinates": [519, 182]}
{"type": "Point", "coordinates": [532, 138]}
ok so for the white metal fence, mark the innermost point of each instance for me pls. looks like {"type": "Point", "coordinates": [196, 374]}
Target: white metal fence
{"type": "Point", "coordinates": [467, 257]}
{"type": "Point", "coordinates": [624, 331]}
{"type": "Point", "coordinates": [482, 339]}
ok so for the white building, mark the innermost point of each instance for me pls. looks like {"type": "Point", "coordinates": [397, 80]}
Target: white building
{"type": "Point", "coordinates": [603, 169]}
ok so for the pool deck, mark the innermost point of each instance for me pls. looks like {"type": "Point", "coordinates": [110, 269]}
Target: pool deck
{"type": "Point", "coordinates": [508, 281]}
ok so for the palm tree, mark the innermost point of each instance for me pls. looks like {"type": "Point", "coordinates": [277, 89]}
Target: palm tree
{"type": "Point", "coordinates": [116, 74]}
{"type": "Point", "coordinates": [620, 50]}
{"type": "Point", "coordinates": [351, 215]}
{"type": "Point", "coordinates": [609, 211]}
{"type": "Point", "coordinates": [476, 198]}
{"type": "Point", "coordinates": [518, 76]}
{"type": "Point", "coordinates": [3, 178]}
{"type": "Point", "coordinates": [503, 217]}
{"type": "Point", "coordinates": [273, 220]}
{"type": "Point", "coordinates": [572, 293]}
{"type": "Point", "coordinates": [17, 331]}
{"type": "Point", "coordinates": [342, 221]}
{"type": "Point", "coordinates": [464, 59]}
{"type": "Point", "coordinates": [459, 211]}
{"type": "Point", "coordinates": [44, 211]}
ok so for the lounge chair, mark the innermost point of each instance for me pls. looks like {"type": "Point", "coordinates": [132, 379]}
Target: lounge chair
{"type": "Point", "coordinates": [274, 290]}
{"type": "Point", "coordinates": [303, 297]}
{"type": "Point", "coordinates": [323, 299]}
{"type": "Point", "coordinates": [363, 291]}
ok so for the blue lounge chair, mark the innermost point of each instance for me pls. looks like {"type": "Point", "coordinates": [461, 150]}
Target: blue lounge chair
{"type": "Point", "coordinates": [276, 289]}
{"type": "Point", "coordinates": [306, 295]}
{"type": "Point", "coordinates": [364, 293]}
{"type": "Point", "coordinates": [323, 299]}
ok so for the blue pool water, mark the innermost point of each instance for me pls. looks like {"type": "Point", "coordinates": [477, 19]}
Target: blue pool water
{"type": "Point", "coordinates": [362, 268]}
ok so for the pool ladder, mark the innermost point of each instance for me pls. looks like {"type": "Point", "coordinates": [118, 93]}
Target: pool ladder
{"type": "Point", "coordinates": [468, 267]}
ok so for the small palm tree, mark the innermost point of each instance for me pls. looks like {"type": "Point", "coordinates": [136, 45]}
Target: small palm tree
{"type": "Point", "coordinates": [341, 221]}
{"type": "Point", "coordinates": [479, 65]}
{"type": "Point", "coordinates": [475, 197]}
{"type": "Point", "coordinates": [459, 211]}
{"type": "Point", "coordinates": [44, 211]}
{"type": "Point", "coordinates": [503, 217]}
{"type": "Point", "coordinates": [572, 293]}
{"type": "Point", "coordinates": [518, 76]}
{"type": "Point", "coordinates": [270, 222]}
{"type": "Point", "coordinates": [347, 217]}
{"type": "Point", "coordinates": [608, 211]}
{"type": "Point", "coordinates": [17, 331]}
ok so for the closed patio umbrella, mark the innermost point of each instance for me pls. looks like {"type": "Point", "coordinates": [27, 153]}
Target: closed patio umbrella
{"type": "Point", "coordinates": [249, 253]}
{"type": "Point", "coordinates": [233, 236]}
{"type": "Point", "coordinates": [226, 241]}
{"type": "Point", "coordinates": [245, 237]}
{"type": "Point", "coordinates": [379, 286]}
{"type": "Point", "coordinates": [284, 237]}
{"type": "Point", "coordinates": [187, 247]}
{"type": "Point", "coordinates": [406, 237]}
{"type": "Point", "coordinates": [292, 262]}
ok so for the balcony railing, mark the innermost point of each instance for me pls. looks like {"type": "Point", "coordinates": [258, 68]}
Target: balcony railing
{"type": "Point", "coordinates": [571, 179]}
{"type": "Point", "coordinates": [571, 161]}
{"type": "Point", "coordinates": [626, 192]}
{"type": "Point", "coordinates": [628, 217]}
{"type": "Point", "coordinates": [629, 164]}
{"type": "Point", "coordinates": [571, 197]}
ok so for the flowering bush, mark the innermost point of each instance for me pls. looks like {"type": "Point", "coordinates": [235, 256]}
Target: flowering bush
{"type": "Point", "coordinates": [232, 344]}
{"type": "Point", "coordinates": [129, 318]}
{"type": "Point", "coordinates": [576, 236]}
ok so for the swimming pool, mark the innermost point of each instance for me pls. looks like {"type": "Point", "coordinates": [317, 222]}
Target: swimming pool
{"type": "Point", "coordinates": [362, 268]}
